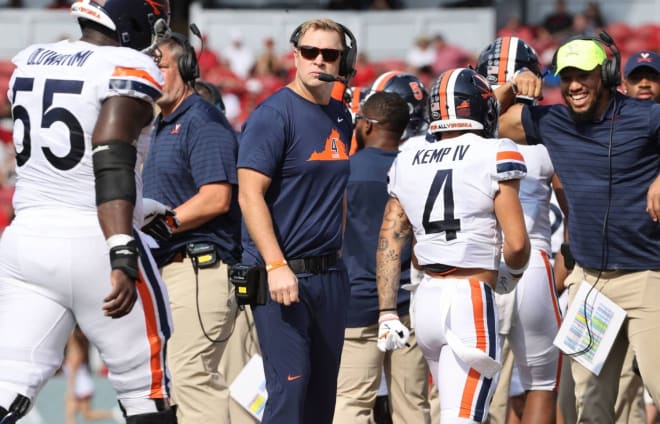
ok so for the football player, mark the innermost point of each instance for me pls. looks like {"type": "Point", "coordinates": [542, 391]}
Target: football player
{"type": "Point", "coordinates": [82, 112]}
{"type": "Point", "coordinates": [529, 309]}
{"type": "Point", "coordinates": [413, 91]}
{"type": "Point", "coordinates": [455, 196]}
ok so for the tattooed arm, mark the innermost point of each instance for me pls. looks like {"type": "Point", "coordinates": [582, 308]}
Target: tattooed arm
{"type": "Point", "coordinates": [394, 234]}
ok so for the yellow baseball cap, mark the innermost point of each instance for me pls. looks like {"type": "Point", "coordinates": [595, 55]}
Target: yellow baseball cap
{"type": "Point", "coordinates": [581, 54]}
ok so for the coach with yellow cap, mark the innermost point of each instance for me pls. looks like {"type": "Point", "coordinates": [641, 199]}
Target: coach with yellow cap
{"type": "Point", "coordinates": [605, 148]}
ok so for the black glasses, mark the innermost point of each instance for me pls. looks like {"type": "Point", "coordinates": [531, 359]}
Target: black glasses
{"type": "Point", "coordinates": [311, 53]}
{"type": "Point", "coordinates": [358, 117]}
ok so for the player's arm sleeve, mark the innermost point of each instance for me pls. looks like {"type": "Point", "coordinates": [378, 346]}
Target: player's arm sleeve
{"type": "Point", "coordinates": [509, 163]}
{"type": "Point", "coordinates": [134, 75]}
{"type": "Point", "coordinates": [263, 141]}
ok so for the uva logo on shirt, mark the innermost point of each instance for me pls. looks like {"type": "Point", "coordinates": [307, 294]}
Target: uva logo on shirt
{"type": "Point", "coordinates": [176, 128]}
{"type": "Point", "coordinates": [334, 149]}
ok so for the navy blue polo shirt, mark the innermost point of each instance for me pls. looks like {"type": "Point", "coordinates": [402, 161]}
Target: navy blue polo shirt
{"type": "Point", "coordinates": [366, 196]}
{"type": "Point", "coordinates": [303, 147]}
{"type": "Point", "coordinates": [580, 153]}
{"type": "Point", "coordinates": [192, 147]}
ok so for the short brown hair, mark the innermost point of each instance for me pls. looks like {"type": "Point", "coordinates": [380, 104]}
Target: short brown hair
{"type": "Point", "coordinates": [322, 24]}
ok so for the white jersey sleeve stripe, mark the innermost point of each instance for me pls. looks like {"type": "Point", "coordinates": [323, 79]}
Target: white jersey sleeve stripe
{"type": "Point", "coordinates": [134, 89]}
{"type": "Point", "coordinates": [136, 81]}
{"type": "Point", "coordinates": [510, 165]}
{"type": "Point", "coordinates": [121, 71]}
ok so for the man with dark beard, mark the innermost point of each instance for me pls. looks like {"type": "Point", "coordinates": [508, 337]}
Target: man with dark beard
{"type": "Point", "coordinates": [606, 150]}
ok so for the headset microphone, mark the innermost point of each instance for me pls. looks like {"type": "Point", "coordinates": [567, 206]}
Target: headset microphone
{"type": "Point", "coordinates": [195, 30]}
{"type": "Point", "coordinates": [330, 78]}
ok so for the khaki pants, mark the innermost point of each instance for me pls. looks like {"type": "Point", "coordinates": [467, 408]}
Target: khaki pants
{"type": "Point", "coordinates": [199, 390]}
{"type": "Point", "coordinates": [638, 293]}
{"type": "Point", "coordinates": [242, 345]}
{"type": "Point", "coordinates": [360, 373]}
{"type": "Point", "coordinates": [566, 393]}
{"type": "Point", "coordinates": [629, 407]}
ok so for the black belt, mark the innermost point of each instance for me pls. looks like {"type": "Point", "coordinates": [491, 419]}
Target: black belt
{"type": "Point", "coordinates": [178, 257]}
{"type": "Point", "coordinates": [440, 269]}
{"type": "Point", "coordinates": [313, 264]}
{"type": "Point", "coordinates": [593, 271]}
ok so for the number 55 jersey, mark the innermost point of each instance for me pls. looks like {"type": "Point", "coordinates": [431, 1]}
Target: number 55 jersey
{"type": "Point", "coordinates": [447, 190]}
{"type": "Point", "coordinates": [56, 92]}
{"type": "Point", "coordinates": [54, 267]}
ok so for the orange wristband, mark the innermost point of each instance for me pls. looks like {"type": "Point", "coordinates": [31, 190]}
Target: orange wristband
{"type": "Point", "coordinates": [274, 265]}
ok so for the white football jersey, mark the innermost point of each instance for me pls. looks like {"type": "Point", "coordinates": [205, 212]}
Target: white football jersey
{"type": "Point", "coordinates": [447, 190]}
{"type": "Point", "coordinates": [56, 93]}
{"type": "Point", "coordinates": [535, 192]}
{"type": "Point", "coordinates": [416, 142]}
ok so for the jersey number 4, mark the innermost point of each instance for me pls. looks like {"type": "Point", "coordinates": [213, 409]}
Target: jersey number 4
{"type": "Point", "coordinates": [449, 224]}
{"type": "Point", "coordinates": [48, 118]}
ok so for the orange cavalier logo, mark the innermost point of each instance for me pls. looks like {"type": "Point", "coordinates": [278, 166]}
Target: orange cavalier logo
{"type": "Point", "coordinates": [335, 149]}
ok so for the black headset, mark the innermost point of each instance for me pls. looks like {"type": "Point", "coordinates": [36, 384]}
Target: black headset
{"type": "Point", "coordinates": [215, 97]}
{"type": "Point", "coordinates": [187, 62]}
{"type": "Point", "coordinates": [611, 68]}
{"type": "Point", "coordinates": [348, 56]}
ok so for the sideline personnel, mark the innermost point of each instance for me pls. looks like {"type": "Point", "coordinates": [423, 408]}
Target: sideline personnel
{"type": "Point", "coordinates": [641, 80]}
{"type": "Point", "coordinates": [642, 76]}
{"type": "Point", "coordinates": [191, 166]}
{"type": "Point", "coordinates": [605, 149]}
{"type": "Point", "coordinates": [293, 168]}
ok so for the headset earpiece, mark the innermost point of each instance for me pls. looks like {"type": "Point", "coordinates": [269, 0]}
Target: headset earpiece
{"type": "Point", "coordinates": [611, 68]}
{"type": "Point", "coordinates": [347, 63]}
{"type": "Point", "coordinates": [348, 57]}
{"type": "Point", "coordinates": [295, 36]}
{"type": "Point", "coordinates": [187, 62]}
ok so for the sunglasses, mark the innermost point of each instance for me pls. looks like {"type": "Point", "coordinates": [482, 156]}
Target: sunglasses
{"type": "Point", "coordinates": [358, 117]}
{"type": "Point", "coordinates": [311, 53]}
